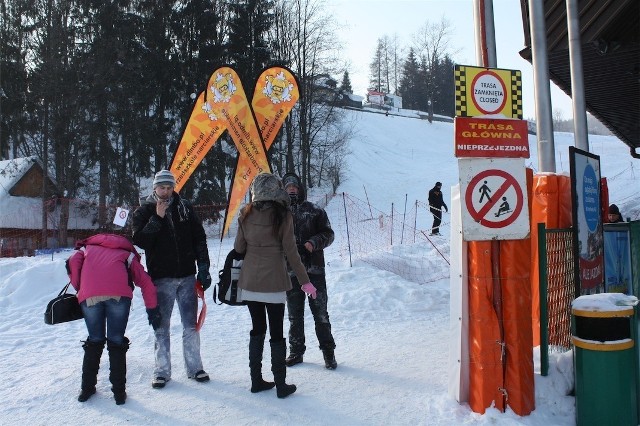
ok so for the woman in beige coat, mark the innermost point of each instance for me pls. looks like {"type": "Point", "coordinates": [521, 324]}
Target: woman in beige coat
{"type": "Point", "coordinates": [265, 236]}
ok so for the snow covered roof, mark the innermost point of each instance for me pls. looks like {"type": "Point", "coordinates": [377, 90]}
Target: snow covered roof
{"type": "Point", "coordinates": [12, 170]}
{"type": "Point", "coordinates": [25, 212]}
{"type": "Point", "coordinates": [325, 81]}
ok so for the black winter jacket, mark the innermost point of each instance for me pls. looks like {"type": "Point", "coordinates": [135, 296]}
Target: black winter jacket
{"type": "Point", "coordinates": [436, 203]}
{"type": "Point", "coordinates": [311, 223]}
{"type": "Point", "coordinates": [172, 244]}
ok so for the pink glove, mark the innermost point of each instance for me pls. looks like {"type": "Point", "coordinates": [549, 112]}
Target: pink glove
{"type": "Point", "coordinates": [309, 289]}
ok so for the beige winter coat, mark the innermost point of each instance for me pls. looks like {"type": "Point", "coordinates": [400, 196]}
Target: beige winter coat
{"type": "Point", "coordinates": [264, 268]}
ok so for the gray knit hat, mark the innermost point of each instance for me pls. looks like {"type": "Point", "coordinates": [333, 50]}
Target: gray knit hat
{"type": "Point", "coordinates": [164, 177]}
{"type": "Point", "coordinates": [290, 179]}
{"type": "Point", "coordinates": [268, 187]}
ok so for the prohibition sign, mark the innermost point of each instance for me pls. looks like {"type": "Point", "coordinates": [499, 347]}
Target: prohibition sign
{"type": "Point", "coordinates": [480, 215]}
{"type": "Point", "coordinates": [489, 93]}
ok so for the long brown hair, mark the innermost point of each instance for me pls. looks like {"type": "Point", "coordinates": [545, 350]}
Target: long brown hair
{"type": "Point", "coordinates": [278, 213]}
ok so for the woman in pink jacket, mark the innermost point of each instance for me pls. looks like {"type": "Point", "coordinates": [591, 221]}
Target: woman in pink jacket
{"type": "Point", "coordinates": [103, 271]}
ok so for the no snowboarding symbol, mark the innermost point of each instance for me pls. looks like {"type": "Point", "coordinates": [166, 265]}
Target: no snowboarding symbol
{"type": "Point", "coordinates": [494, 198]}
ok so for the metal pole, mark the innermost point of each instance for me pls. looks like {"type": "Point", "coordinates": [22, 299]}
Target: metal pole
{"type": "Point", "coordinates": [391, 223]}
{"type": "Point", "coordinates": [346, 220]}
{"type": "Point", "coordinates": [404, 218]}
{"type": "Point", "coordinates": [368, 203]}
{"type": "Point", "coordinates": [484, 45]}
{"type": "Point", "coordinates": [544, 322]}
{"type": "Point", "coordinates": [485, 33]}
{"type": "Point", "coordinates": [580, 130]}
{"type": "Point", "coordinates": [415, 222]}
{"type": "Point", "coordinates": [544, 119]}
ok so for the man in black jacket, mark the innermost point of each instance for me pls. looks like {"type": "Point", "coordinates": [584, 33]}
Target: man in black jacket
{"type": "Point", "coordinates": [174, 241]}
{"type": "Point", "coordinates": [436, 204]}
{"type": "Point", "coordinates": [313, 234]}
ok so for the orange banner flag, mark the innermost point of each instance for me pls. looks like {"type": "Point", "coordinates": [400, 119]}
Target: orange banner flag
{"type": "Point", "coordinates": [229, 103]}
{"type": "Point", "coordinates": [200, 134]}
{"type": "Point", "coordinates": [224, 106]}
{"type": "Point", "coordinates": [275, 95]}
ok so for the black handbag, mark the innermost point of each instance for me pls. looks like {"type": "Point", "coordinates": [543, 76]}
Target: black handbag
{"type": "Point", "coordinates": [226, 290]}
{"type": "Point", "coordinates": [63, 308]}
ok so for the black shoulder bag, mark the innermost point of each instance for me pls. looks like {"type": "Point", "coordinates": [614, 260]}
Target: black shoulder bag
{"type": "Point", "coordinates": [226, 290]}
{"type": "Point", "coordinates": [63, 308]}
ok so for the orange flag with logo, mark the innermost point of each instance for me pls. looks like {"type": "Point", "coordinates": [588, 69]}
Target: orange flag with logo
{"type": "Point", "coordinates": [200, 134]}
{"type": "Point", "coordinates": [224, 106]}
{"type": "Point", "coordinates": [275, 95]}
{"type": "Point", "coordinates": [229, 103]}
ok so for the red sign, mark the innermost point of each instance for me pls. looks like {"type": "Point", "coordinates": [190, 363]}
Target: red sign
{"type": "Point", "coordinates": [591, 273]}
{"type": "Point", "coordinates": [483, 213]}
{"type": "Point", "coordinates": [489, 92]}
{"type": "Point", "coordinates": [488, 137]}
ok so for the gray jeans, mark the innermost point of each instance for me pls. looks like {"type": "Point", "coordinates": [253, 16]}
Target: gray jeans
{"type": "Point", "coordinates": [183, 291]}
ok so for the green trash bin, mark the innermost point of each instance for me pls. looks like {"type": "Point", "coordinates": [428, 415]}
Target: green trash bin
{"type": "Point", "coordinates": [604, 360]}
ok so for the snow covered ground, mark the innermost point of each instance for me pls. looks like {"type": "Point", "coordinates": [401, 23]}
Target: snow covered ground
{"type": "Point", "coordinates": [392, 335]}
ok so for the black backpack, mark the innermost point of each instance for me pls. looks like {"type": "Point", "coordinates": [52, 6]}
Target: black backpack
{"type": "Point", "coordinates": [226, 290]}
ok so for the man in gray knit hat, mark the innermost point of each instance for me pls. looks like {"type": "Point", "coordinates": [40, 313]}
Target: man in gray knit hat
{"type": "Point", "coordinates": [171, 234]}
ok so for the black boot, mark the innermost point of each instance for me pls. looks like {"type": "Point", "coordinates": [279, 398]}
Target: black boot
{"type": "Point", "coordinates": [279, 368]}
{"type": "Point", "coordinates": [256, 347]}
{"type": "Point", "coordinates": [329, 359]}
{"type": "Point", "coordinates": [293, 359]}
{"type": "Point", "coordinates": [90, 367]}
{"type": "Point", "coordinates": [118, 369]}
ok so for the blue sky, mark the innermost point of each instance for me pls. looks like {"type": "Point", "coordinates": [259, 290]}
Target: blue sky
{"type": "Point", "coordinates": [364, 21]}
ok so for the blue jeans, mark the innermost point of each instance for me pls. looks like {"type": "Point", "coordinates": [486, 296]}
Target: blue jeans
{"type": "Point", "coordinates": [183, 291]}
{"type": "Point", "coordinates": [110, 314]}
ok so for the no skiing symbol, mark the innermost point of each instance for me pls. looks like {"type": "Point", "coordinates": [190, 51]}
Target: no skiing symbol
{"type": "Point", "coordinates": [494, 198]}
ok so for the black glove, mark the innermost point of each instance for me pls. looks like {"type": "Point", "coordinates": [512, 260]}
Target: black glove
{"type": "Point", "coordinates": [154, 317]}
{"type": "Point", "coordinates": [203, 275]}
{"type": "Point", "coordinates": [302, 250]}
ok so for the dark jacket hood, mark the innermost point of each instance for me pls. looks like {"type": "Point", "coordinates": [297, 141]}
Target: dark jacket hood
{"type": "Point", "coordinates": [295, 179]}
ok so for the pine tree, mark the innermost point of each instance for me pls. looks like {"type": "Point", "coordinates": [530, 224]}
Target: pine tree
{"type": "Point", "coordinates": [423, 87]}
{"type": "Point", "coordinates": [13, 76]}
{"type": "Point", "coordinates": [248, 50]}
{"type": "Point", "coordinates": [377, 68]}
{"type": "Point", "coordinates": [409, 82]}
{"type": "Point", "coordinates": [200, 29]}
{"type": "Point", "coordinates": [444, 87]}
{"type": "Point", "coordinates": [345, 86]}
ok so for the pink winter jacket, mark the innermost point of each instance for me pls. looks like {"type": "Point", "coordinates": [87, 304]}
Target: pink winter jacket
{"type": "Point", "coordinates": [101, 269]}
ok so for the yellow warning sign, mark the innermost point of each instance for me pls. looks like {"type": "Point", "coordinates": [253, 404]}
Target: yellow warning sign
{"type": "Point", "coordinates": [488, 91]}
